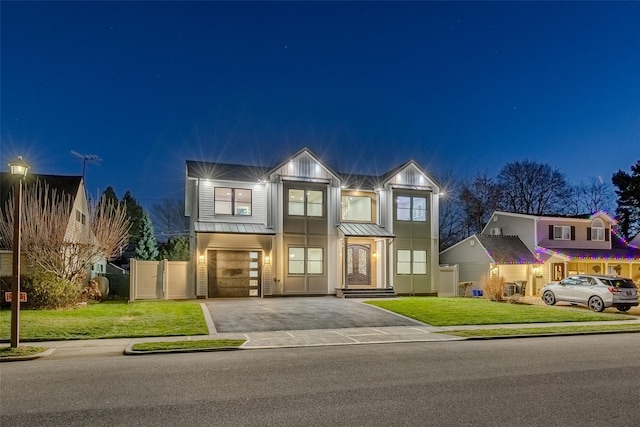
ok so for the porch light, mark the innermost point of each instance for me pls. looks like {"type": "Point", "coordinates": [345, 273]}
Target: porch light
{"type": "Point", "coordinates": [267, 260]}
{"type": "Point", "coordinates": [201, 259]}
{"type": "Point", "coordinates": [19, 167]}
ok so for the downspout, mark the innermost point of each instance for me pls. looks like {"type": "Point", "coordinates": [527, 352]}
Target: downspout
{"type": "Point", "coordinates": [388, 262]}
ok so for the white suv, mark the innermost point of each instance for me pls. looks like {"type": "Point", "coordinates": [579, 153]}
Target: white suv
{"type": "Point", "coordinates": [595, 291]}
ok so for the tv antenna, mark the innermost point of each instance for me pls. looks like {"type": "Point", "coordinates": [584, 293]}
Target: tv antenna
{"type": "Point", "coordinates": [85, 158]}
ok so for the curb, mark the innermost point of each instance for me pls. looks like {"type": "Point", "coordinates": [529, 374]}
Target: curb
{"type": "Point", "coordinates": [28, 357]}
{"type": "Point", "coordinates": [130, 352]}
{"type": "Point", "coordinates": [550, 334]}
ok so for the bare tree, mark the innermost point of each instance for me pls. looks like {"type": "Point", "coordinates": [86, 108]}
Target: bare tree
{"type": "Point", "coordinates": [451, 214]}
{"type": "Point", "coordinates": [533, 188]}
{"type": "Point", "coordinates": [593, 196]}
{"type": "Point", "coordinates": [59, 243]}
{"type": "Point", "coordinates": [169, 219]}
{"type": "Point", "coordinates": [479, 199]}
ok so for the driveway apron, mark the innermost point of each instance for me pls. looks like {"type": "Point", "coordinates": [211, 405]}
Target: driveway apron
{"type": "Point", "coordinates": [298, 313]}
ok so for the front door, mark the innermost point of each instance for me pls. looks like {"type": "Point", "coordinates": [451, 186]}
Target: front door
{"type": "Point", "coordinates": [358, 265]}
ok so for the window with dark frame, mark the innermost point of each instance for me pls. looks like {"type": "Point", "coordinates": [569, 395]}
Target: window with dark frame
{"type": "Point", "coordinates": [232, 201]}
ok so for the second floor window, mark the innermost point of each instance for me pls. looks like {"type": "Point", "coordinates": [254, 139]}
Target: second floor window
{"type": "Point", "coordinates": [356, 208]}
{"type": "Point", "coordinates": [596, 231]}
{"type": "Point", "coordinates": [411, 208]}
{"type": "Point", "coordinates": [561, 232]}
{"type": "Point", "coordinates": [306, 202]}
{"type": "Point", "coordinates": [232, 201]}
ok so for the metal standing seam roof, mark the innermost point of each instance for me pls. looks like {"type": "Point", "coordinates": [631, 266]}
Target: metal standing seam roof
{"type": "Point", "coordinates": [353, 229]}
{"type": "Point", "coordinates": [232, 228]}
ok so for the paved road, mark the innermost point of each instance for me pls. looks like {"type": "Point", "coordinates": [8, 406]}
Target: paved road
{"type": "Point", "coordinates": [285, 314]}
{"type": "Point", "coordinates": [568, 381]}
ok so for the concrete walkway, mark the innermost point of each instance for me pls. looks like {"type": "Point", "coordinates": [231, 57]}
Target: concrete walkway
{"type": "Point", "coordinates": [413, 332]}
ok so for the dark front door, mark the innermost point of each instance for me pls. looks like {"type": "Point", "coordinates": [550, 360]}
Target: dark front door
{"type": "Point", "coordinates": [358, 265]}
{"type": "Point", "coordinates": [233, 273]}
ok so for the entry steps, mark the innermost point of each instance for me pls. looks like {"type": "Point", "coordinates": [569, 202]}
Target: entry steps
{"type": "Point", "coordinates": [365, 293]}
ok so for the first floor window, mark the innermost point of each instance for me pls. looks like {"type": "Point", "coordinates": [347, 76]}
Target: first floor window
{"type": "Point", "coordinates": [411, 262]}
{"type": "Point", "coordinates": [306, 260]}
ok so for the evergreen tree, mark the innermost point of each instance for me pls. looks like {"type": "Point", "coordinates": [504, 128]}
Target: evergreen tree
{"type": "Point", "coordinates": [147, 247]}
{"type": "Point", "coordinates": [176, 249]}
{"type": "Point", "coordinates": [628, 192]}
{"type": "Point", "coordinates": [135, 213]}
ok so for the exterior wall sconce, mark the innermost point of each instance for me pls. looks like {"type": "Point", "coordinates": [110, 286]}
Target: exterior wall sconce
{"type": "Point", "coordinates": [201, 259]}
{"type": "Point", "coordinates": [267, 260]}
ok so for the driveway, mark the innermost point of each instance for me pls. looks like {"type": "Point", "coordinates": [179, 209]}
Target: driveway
{"type": "Point", "coordinates": [298, 313]}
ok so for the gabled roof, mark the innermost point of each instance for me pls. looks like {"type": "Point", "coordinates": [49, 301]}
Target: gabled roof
{"type": "Point", "coordinates": [356, 229]}
{"type": "Point", "coordinates": [308, 152]}
{"type": "Point", "coordinates": [390, 174]}
{"type": "Point", "coordinates": [584, 217]}
{"type": "Point", "coordinates": [62, 184]}
{"type": "Point", "coordinates": [225, 171]}
{"type": "Point", "coordinates": [507, 250]}
{"type": "Point", "coordinates": [620, 250]}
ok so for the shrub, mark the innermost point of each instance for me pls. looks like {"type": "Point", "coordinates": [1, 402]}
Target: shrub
{"type": "Point", "coordinates": [44, 290]}
{"type": "Point", "coordinates": [493, 288]}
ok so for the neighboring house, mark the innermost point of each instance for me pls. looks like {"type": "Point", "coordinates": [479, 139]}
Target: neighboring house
{"type": "Point", "coordinates": [482, 256]}
{"type": "Point", "coordinates": [565, 245]}
{"type": "Point", "coordinates": [301, 228]}
{"type": "Point", "coordinates": [78, 227]}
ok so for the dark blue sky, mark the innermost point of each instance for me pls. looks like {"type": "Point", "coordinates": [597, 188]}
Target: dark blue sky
{"type": "Point", "coordinates": [463, 88]}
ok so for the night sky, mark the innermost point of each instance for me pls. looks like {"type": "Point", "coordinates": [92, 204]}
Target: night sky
{"type": "Point", "coordinates": [463, 88]}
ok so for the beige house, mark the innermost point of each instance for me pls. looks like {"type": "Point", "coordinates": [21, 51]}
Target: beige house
{"type": "Point", "coordinates": [77, 228]}
{"type": "Point", "coordinates": [301, 228]}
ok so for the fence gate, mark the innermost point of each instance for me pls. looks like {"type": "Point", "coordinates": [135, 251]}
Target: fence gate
{"type": "Point", "coordinates": [160, 280]}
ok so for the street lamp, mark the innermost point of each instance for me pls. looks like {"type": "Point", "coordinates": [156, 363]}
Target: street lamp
{"type": "Point", "coordinates": [19, 169]}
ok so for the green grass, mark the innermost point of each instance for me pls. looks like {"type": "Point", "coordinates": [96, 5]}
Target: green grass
{"type": "Point", "coordinates": [187, 345]}
{"type": "Point", "coordinates": [573, 329]}
{"type": "Point", "coordinates": [20, 351]}
{"type": "Point", "coordinates": [479, 311]}
{"type": "Point", "coordinates": [111, 319]}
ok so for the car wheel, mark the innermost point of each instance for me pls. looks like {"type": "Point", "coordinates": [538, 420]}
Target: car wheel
{"type": "Point", "coordinates": [549, 298]}
{"type": "Point", "coordinates": [623, 308]}
{"type": "Point", "coordinates": [596, 304]}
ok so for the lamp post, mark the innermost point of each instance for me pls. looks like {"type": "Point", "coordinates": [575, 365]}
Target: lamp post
{"type": "Point", "coordinates": [19, 169]}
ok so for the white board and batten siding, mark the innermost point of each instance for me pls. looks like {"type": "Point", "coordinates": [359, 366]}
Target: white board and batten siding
{"type": "Point", "coordinates": [304, 166]}
{"type": "Point", "coordinates": [206, 206]}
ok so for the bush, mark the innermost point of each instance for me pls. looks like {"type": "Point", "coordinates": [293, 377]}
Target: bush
{"type": "Point", "coordinates": [493, 288]}
{"type": "Point", "coordinates": [44, 290]}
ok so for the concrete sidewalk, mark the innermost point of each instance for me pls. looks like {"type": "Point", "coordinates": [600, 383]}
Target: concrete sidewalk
{"type": "Point", "coordinates": [288, 339]}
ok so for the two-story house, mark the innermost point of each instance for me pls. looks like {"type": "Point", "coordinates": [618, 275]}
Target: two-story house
{"type": "Point", "coordinates": [301, 228]}
{"type": "Point", "coordinates": [562, 245]}
{"type": "Point", "coordinates": [58, 186]}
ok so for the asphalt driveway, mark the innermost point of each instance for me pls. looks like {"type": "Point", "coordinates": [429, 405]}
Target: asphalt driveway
{"type": "Point", "coordinates": [298, 313]}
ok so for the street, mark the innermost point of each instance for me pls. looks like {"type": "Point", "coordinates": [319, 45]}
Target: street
{"type": "Point", "coordinates": [577, 380]}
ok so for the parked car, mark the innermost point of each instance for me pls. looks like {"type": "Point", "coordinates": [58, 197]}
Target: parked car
{"type": "Point", "coordinates": [595, 291]}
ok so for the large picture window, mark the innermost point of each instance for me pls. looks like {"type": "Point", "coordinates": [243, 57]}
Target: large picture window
{"type": "Point", "coordinates": [411, 262]}
{"type": "Point", "coordinates": [232, 201]}
{"type": "Point", "coordinates": [306, 202]}
{"type": "Point", "coordinates": [411, 208]}
{"type": "Point", "coordinates": [356, 208]}
{"type": "Point", "coordinates": [306, 261]}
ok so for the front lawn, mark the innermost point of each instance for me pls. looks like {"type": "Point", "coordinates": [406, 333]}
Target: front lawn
{"type": "Point", "coordinates": [111, 319]}
{"type": "Point", "coordinates": [479, 311]}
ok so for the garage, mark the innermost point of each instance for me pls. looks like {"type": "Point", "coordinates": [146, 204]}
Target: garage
{"type": "Point", "coordinates": [233, 273]}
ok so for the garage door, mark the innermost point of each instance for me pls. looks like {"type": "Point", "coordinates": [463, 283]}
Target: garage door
{"type": "Point", "coordinates": [233, 273]}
